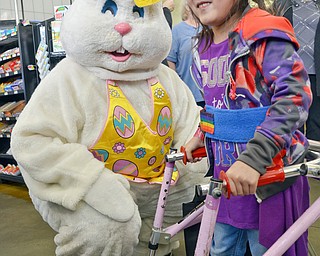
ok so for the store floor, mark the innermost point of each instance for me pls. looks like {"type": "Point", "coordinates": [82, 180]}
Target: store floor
{"type": "Point", "coordinates": [23, 232]}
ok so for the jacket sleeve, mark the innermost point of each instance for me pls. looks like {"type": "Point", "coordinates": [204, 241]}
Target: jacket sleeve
{"type": "Point", "coordinates": [173, 54]}
{"type": "Point", "coordinates": [288, 86]}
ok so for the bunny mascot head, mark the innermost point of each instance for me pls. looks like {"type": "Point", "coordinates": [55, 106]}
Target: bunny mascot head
{"type": "Point", "coordinates": [117, 39]}
{"type": "Point", "coordinates": [92, 140]}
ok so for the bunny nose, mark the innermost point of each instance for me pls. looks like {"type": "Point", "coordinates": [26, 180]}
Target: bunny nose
{"type": "Point", "coordinates": [123, 28]}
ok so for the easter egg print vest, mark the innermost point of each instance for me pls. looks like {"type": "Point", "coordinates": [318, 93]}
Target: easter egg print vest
{"type": "Point", "coordinates": [131, 147]}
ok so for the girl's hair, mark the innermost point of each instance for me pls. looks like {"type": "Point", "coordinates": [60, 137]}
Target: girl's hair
{"type": "Point", "coordinates": [238, 7]}
{"type": "Point", "coordinates": [185, 10]}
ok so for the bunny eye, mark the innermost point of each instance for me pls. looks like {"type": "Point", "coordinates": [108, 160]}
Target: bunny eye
{"type": "Point", "coordinates": [137, 11]}
{"type": "Point", "coordinates": [110, 6]}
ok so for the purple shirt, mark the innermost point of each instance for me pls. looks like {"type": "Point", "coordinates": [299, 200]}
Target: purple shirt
{"type": "Point", "coordinates": [214, 64]}
{"type": "Point", "coordinates": [239, 211]}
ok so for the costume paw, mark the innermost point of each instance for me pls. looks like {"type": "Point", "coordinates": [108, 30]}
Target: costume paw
{"type": "Point", "coordinates": [110, 196]}
{"type": "Point", "coordinates": [98, 235]}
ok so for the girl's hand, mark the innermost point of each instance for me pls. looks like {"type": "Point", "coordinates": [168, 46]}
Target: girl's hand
{"type": "Point", "coordinates": [243, 179]}
{"type": "Point", "coordinates": [193, 144]}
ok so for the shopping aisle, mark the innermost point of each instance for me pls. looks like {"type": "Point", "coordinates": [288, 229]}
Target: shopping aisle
{"type": "Point", "coordinates": [22, 230]}
{"type": "Point", "coordinates": [24, 233]}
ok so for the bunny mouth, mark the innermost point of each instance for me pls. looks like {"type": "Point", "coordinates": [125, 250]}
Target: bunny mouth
{"type": "Point", "coordinates": [120, 55]}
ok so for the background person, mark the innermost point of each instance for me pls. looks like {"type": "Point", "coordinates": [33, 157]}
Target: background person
{"type": "Point", "coordinates": [180, 57]}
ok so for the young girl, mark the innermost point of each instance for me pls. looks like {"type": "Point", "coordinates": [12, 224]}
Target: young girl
{"type": "Point", "coordinates": [257, 95]}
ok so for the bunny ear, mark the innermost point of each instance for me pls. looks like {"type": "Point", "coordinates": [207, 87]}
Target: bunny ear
{"type": "Point", "coordinates": [142, 3]}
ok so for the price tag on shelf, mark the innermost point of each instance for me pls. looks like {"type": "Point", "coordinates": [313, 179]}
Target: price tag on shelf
{"type": "Point", "coordinates": [31, 67]}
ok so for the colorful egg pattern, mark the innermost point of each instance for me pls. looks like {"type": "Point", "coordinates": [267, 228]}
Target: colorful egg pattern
{"type": "Point", "coordinates": [164, 121]}
{"type": "Point", "coordinates": [125, 167]}
{"type": "Point", "coordinates": [100, 154]}
{"type": "Point", "coordinates": [123, 122]}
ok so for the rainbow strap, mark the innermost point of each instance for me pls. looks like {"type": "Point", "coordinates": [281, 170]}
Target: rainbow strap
{"type": "Point", "coordinates": [207, 121]}
{"type": "Point", "coordinates": [232, 125]}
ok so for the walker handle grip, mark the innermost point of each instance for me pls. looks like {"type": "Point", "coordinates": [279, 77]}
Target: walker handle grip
{"type": "Point", "coordinates": [199, 152]}
{"type": "Point", "coordinates": [275, 172]}
{"type": "Point", "coordinates": [223, 176]}
{"type": "Point", "coordinates": [271, 176]}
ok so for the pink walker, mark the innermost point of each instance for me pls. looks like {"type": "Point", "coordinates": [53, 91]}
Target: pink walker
{"type": "Point", "coordinates": [206, 213]}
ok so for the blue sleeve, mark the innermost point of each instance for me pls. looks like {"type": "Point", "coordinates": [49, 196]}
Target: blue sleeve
{"type": "Point", "coordinates": [174, 51]}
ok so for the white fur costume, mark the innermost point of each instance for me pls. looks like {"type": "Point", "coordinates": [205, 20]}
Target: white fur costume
{"type": "Point", "coordinates": [95, 211]}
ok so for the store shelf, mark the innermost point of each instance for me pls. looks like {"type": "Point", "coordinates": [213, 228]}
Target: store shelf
{"type": "Point", "coordinates": [10, 74]}
{"type": "Point", "coordinates": [12, 46]}
{"type": "Point", "coordinates": [12, 93]}
{"type": "Point", "coordinates": [17, 179]}
{"type": "Point", "coordinates": [20, 44]}
{"type": "Point", "coordinates": [8, 39]}
{"type": "Point", "coordinates": [9, 57]}
{"type": "Point", "coordinates": [6, 156]}
{"type": "Point", "coordinates": [14, 118]}
{"type": "Point", "coordinates": [5, 135]}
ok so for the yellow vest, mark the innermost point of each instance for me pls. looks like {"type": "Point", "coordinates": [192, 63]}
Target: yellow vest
{"type": "Point", "coordinates": [131, 147]}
